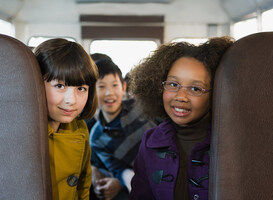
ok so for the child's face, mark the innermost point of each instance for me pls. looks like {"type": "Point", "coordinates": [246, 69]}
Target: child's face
{"type": "Point", "coordinates": [182, 108]}
{"type": "Point", "coordinates": [110, 91]}
{"type": "Point", "coordinates": [64, 103]}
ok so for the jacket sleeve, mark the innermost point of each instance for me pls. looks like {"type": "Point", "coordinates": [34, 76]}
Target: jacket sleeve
{"type": "Point", "coordinates": [102, 158]}
{"type": "Point", "coordinates": [111, 164]}
{"type": "Point", "coordinates": [86, 174]}
{"type": "Point", "coordinates": [141, 188]}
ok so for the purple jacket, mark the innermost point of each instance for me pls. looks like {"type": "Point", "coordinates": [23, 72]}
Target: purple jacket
{"type": "Point", "coordinates": [156, 166]}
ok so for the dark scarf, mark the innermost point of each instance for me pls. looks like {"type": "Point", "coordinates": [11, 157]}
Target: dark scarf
{"type": "Point", "coordinates": [187, 137]}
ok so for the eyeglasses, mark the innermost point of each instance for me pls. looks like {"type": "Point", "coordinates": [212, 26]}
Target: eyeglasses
{"type": "Point", "coordinates": [190, 90]}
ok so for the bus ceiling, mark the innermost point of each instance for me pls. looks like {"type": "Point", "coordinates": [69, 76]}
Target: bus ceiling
{"type": "Point", "coordinates": [235, 9]}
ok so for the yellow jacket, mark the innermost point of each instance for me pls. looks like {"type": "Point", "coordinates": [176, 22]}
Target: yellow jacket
{"type": "Point", "coordinates": [70, 167]}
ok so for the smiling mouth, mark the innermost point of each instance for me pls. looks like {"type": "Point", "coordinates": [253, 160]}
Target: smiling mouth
{"type": "Point", "coordinates": [67, 111]}
{"type": "Point", "coordinates": [109, 101]}
{"type": "Point", "coordinates": [181, 110]}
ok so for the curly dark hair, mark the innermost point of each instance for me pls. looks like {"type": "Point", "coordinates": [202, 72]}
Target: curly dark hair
{"type": "Point", "coordinates": [146, 78]}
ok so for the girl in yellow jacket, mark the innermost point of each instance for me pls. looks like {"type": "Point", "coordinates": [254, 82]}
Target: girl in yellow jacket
{"type": "Point", "coordinates": [69, 76]}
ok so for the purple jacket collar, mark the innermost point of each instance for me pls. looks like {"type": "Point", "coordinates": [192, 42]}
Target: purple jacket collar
{"type": "Point", "coordinates": [166, 136]}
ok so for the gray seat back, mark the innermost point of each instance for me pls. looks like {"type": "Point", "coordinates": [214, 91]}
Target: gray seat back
{"type": "Point", "coordinates": [24, 159]}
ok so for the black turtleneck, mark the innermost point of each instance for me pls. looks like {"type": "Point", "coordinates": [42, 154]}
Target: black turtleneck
{"type": "Point", "coordinates": [187, 137]}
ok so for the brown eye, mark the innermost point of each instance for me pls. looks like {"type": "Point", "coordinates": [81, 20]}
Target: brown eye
{"type": "Point", "coordinates": [195, 89]}
{"type": "Point", "coordinates": [83, 89]}
{"type": "Point", "coordinates": [59, 86]}
{"type": "Point", "coordinates": [171, 84]}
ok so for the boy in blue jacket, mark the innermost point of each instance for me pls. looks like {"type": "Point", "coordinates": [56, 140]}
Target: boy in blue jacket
{"type": "Point", "coordinates": [115, 137]}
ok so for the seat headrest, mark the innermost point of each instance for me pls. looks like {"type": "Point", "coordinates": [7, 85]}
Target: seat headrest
{"type": "Point", "coordinates": [242, 125]}
{"type": "Point", "coordinates": [24, 161]}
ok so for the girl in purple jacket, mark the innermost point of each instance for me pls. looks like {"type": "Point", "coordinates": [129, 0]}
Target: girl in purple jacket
{"type": "Point", "coordinates": [175, 84]}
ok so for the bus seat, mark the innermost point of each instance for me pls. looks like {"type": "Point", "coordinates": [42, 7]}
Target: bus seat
{"type": "Point", "coordinates": [24, 157]}
{"type": "Point", "coordinates": [242, 124]}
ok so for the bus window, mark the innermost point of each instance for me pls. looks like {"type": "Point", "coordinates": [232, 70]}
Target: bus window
{"type": "Point", "coordinates": [36, 40]}
{"type": "Point", "coordinates": [195, 41]}
{"type": "Point", "coordinates": [267, 17]}
{"type": "Point", "coordinates": [125, 53]}
{"type": "Point", "coordinates": [7, 28]}
{"type": "Point", "coordinates": [244, 28]}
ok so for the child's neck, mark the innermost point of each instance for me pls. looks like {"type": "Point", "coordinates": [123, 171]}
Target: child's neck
{"type": "Point", "coordinates": [55, 125]}
{"type": "Point", "coordinates": [188, 136]}
{"type": "Point", "coordinates": [109, 117]}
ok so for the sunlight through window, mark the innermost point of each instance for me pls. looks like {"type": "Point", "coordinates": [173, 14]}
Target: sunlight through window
{"type": "Point", "coordinates": [36, 40]}
{"type": "Point", "coordinates": [267, 20]}
{"type": "Point", "coordinates": [195, 41]}
{"type": "Point", "coordinates": [244, 28]}
{"type": "Point", "coordinates": [7, 28]}
{"type": "Point", "coordinates": [125, 53]}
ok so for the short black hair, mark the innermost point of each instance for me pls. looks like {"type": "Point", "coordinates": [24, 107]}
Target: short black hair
{"type": "Point", "coordinates": [100, 56]}
{"type": "Point", "coordinates": [106, 67]}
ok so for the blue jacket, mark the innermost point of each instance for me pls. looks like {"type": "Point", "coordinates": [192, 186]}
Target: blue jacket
{"type": "Point", "coordinates": [157, 163]}
{"type": "Point", "coordinates": [115, 146]}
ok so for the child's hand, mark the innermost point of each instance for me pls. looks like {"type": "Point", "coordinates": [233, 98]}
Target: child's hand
{"type": "Point", "coordinates": [108, 188]}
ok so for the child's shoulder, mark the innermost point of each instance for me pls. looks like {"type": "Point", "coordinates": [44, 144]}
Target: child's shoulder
{"type": "Point", "coordinates": [160, 135]}
{"type": "Point", "coordinates": [164, 126]}
{"type": "Point", "coordinates": [128, 104]}
{"type": "Point", "coordinates": [79, 125]}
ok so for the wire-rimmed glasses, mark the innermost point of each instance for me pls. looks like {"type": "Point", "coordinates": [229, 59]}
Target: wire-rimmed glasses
{"type": "Point", "coordinates": [192, 90]}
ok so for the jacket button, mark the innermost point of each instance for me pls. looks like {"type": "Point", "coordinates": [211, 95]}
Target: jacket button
{"type": "Point", "coordinates": [196, 196]}
{"type": "Point", "coordinates": [72, 180]}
